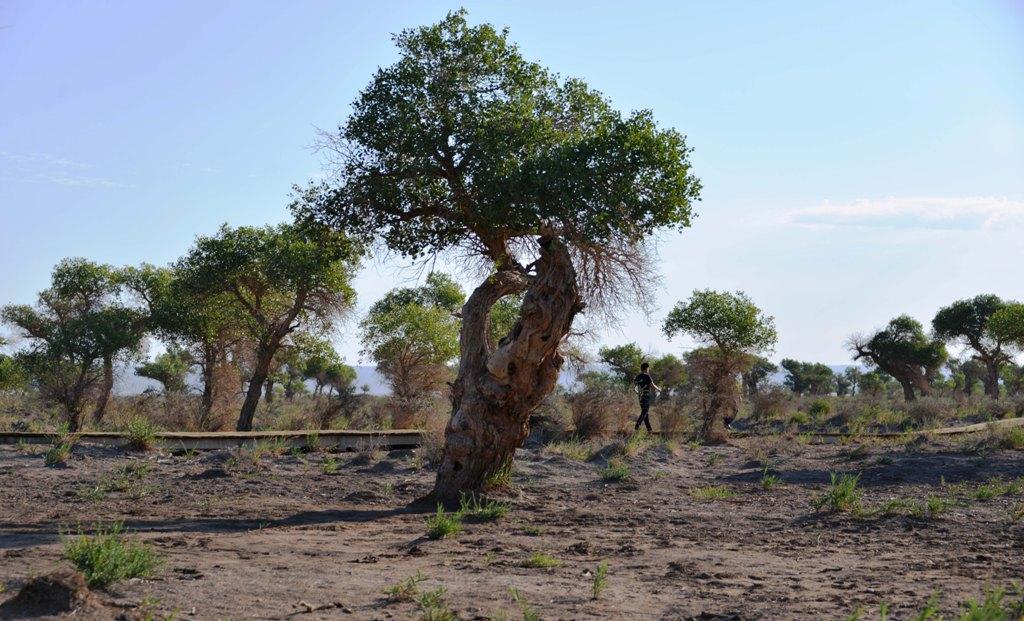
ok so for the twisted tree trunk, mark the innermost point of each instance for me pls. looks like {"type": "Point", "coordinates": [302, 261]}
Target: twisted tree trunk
{"type": "Point", "coordinates": [991, 379]}
{"type": "Point", "coordinates": [106, 387]}
{"type": "Point", "coordinates": [497, 389]}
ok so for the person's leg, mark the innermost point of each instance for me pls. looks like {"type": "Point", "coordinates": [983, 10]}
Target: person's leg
{"type": "Point", "coordinates": [645, 414]}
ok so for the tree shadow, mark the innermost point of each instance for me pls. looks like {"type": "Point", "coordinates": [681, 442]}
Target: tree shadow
{"type": "Point", "coordinates": [50, 532]}
{"type": "Point", "coordinates": [902, 468]}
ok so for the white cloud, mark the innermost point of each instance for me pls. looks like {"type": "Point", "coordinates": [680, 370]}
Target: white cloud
{"type": "Point", "coordinates": [922, 212]}
{"type": "Point", "coordinates": [50, 169]}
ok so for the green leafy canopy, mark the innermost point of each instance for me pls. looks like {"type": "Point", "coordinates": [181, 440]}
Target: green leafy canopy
{"type": "Point", "coordinates": [464, 143]}
{"type": "Point", "coordinates": [730, 322]}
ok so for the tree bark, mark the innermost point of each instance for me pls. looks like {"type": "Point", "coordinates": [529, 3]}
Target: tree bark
{"type": "Point", "coordinates": [497, 390]}
{"type": "Point", "coordinates": [991, 378]}
{"type": "Point", "coordinates": [252, 394]}
{"type": "Point", "coordinates": [268, 393]}
{"type": "Point", "coordinates": [106, 387]}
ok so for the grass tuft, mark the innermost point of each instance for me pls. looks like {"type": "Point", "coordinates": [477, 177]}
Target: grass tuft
{"type": "Point", "coordinates": [843, 494]}
{"type": "Point", "coordinates": [616, 470]}
{"type": "Point", "coordinates": [600, 578]}
{"type": "Point", "coordinates": [482, 510]}
{"type": "Point", "coordinates": [108, 556]}
{"type": "Point", "coordinates": [407, 590]}
{"type": "Point", "coordinates": [141, 434]}
{"type": "Point", "coordinates": [539, 560]}
{"type": "Point", "coordinates": [442, 525]}
{"type": "Point", "coordinates": [712, 492]}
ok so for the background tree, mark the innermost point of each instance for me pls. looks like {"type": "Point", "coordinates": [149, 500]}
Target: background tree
{"type": "Point", "coordinates": [278, 279]}
{"type": "Point", "coordinates": [811, 378]}
{"type": "Point", "coordinates": [412, 335]}
{"type": "Point", "coordinates": [733, 330]}
{"type": "Point", "coordinates": [903, 351]}
{"type": "Point", "coordinates": [850, 380]}
{"type": "Point", "coordinates": [12, 375]}
{"type": "Point", "coordinates": [757, 374]}
{"type": "Point", "coordinates": [623, 360]}
{"type": "Point", "coordinates": [463, 145]}
{"type": "Point", "coordinates": [965, 374]}
{"type": "Point", "coordinates": [967, 321]}
{"type": "Point", "coordinates": [205, 324]}
{"type": "Point", "coordinates": [74, 332]}
{"type": "Point", "coordinates": [875, 383]}
{"type": "Point", "coordinates": [669, 374]}
{"type": "Point", "coordinates": [170, 368]}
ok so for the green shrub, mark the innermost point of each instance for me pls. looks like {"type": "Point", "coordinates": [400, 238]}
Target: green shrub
{"type": "Point", "coordinates": [433, 606]}
{"type": "Point", "coordinates": [141, 434]}
{"type": "Point", "coordinates": [993, 608]}
{"type": "Point", "coordinates": [441, 524]}
{"type": "Point", "coordinates": [616, 470]}
{"type": "Point", "coordinates": [1012, 439]}
{"type": "Point", "coordinates": [600, 578]}
{"type": "Point", "coordinates": [407, 590]}
{"type": "Point", "coordinates": [819, 409]}
{"type": "Point", "coordinates": [108, 556]}
{"type": "Point", "coordinates": [843, 493]}
{"type": "Point", "coordinates": [712, 492]}
{"type": "Point", "coordinates": [769, 480]}
{"type": "Point", "coordinates": [573, 449]}
{"type": "Point", "coordinates": [58, 454]}
{"type": "Point", "coordinates": [539, 560]}
{"type": "Point", "coordinates": [329, 465]}
{"type": "Point", "coordinates": [480, 509]}
{"type": "Point", "coordinates": [500, 478]}
{"type": "Point", "coordinates": [528, 612]}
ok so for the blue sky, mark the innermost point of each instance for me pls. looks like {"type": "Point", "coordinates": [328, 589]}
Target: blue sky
{"type": "Point", "coordinates": [860, 160]}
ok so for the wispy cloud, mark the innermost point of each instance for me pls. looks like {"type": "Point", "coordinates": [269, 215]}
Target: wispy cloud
{"type": "Point", "coordinates": [917, 212]}
{"type": "Point", "coordinates": [51, 169]}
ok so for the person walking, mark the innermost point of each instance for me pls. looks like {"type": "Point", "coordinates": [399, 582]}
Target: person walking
{"type": "Point", "coordinates": [644, 386]}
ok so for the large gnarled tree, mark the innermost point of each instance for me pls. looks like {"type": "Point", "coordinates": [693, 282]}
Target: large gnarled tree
{"type": "Point", "coordinates": [904, 351]}
{"type": "Point", "coordinates": [463, 145]}
{"type": "Point", "coordinates": [968, 321]}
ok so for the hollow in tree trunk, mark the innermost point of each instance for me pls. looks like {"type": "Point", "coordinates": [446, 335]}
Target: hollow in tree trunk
{"type": "Point", "coordinates": [497, 390]}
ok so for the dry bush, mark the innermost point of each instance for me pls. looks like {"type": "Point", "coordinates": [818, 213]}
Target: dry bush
{"type": "Point", "coordinates": [552, 421]}
{"type": "Point", "coordinates": [927, 411]}
{"type": "Point", "coordinates": [675, 420]}
{"type": "Point", "coordinates": [432, 447]}
{"type": "Point", "coordinates": [772, 403]}
{"type": "Point", "coordinates": [600, 412]}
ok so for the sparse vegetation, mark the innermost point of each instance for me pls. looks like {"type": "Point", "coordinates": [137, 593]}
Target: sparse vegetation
{"type": "Point", "coordinates": [407, 590]}
{"type": "Point", "coordinates": [108, 556]}
{"type": "Point", "coordinates": [480, 509]}
{"type": "Point", "coordinates": [712, 492]}
{"type": "Point", "coordinates": [540, 560]}
{"type": "Point", "coordinates": [615, 470]}
{"type": "Point", "coordinates": [600, 579]}
{"type": "Point", "coordinates": [769, 480]}
{"type": "Point", "coordinates": [141, 434]}
{"type": "Point", "coordinates": [443, 524]}
{"type": "Point", "coordinates": [843, 494]}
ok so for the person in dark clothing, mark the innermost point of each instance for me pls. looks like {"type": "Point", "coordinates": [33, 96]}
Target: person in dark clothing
{"type": "Point", "coordinates": [644, 386]}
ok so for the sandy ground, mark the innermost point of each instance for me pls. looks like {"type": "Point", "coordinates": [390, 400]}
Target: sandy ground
{"type": "Point", "coordinates": [289, 542]}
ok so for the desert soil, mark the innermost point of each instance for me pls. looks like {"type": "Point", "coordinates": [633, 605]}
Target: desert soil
{"type": "Point", "coordinates": [289, 542]}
